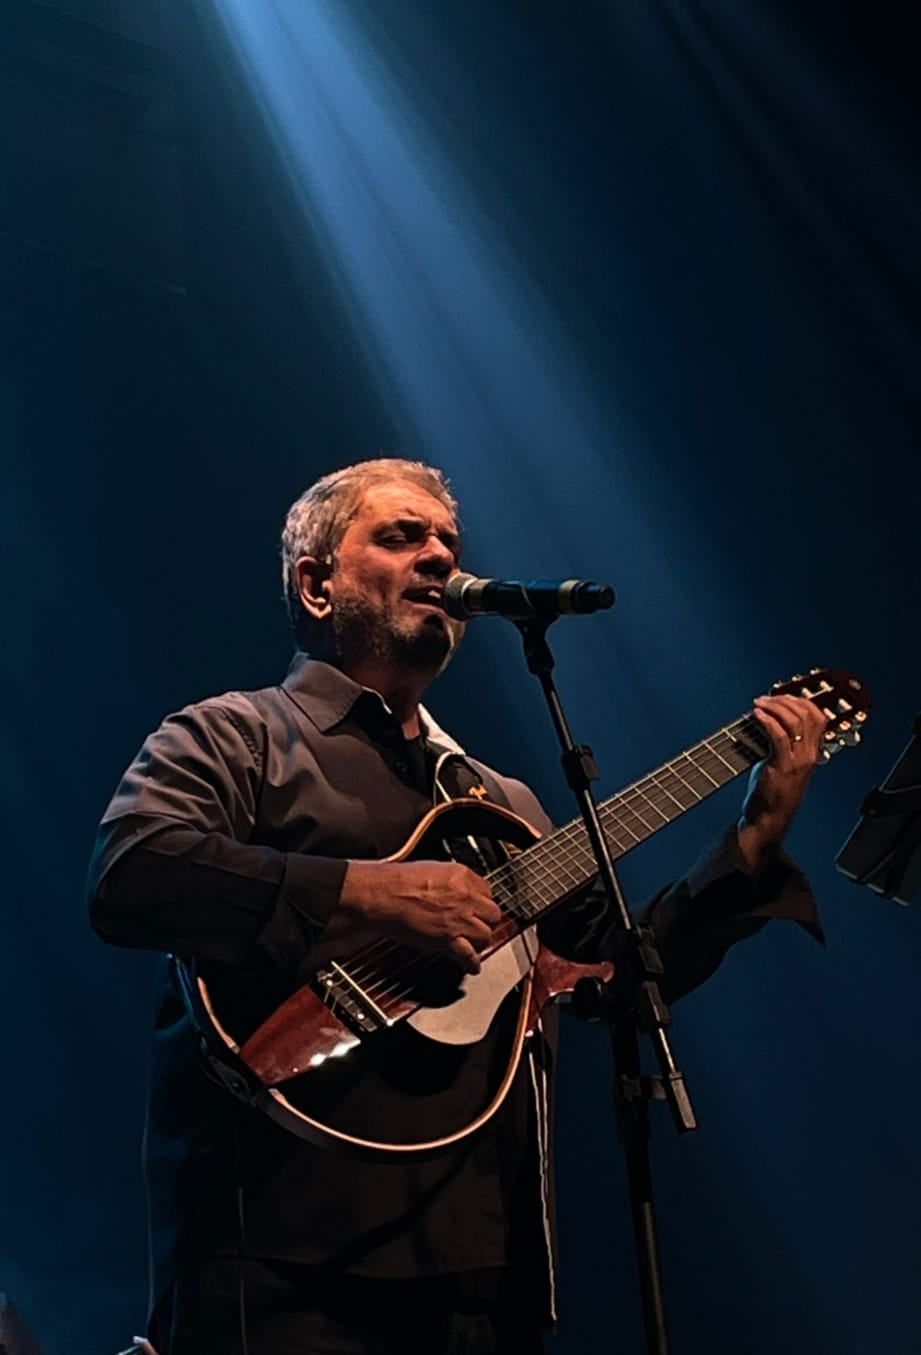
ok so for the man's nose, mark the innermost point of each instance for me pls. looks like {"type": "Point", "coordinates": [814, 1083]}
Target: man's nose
{"type": "Point", "coordinates": [435, 557]}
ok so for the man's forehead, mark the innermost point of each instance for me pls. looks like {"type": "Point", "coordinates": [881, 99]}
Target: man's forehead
{"type": "Point", "coordinates": [401, 498]}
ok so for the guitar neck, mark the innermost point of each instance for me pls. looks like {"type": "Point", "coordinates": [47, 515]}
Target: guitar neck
{"type": "Point", "coordinates": [562, 863]}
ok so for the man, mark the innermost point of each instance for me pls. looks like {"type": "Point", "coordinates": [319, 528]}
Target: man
{"type": "Point", "coordinates": [252, 827]}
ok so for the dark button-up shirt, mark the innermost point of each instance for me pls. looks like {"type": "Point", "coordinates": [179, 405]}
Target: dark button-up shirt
{"type": "Point", "coordinates": [226, 842]}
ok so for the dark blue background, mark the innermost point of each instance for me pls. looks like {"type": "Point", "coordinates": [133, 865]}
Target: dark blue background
{"type": "Point", "coordinates": [643, 280]}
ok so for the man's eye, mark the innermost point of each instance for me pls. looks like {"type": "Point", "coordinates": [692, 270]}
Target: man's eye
{"type": "Point", "coordinates": [395, 539]}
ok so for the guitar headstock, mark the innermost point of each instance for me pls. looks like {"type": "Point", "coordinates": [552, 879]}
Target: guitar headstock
{"type": "Point", "coordinates": [844, 699]}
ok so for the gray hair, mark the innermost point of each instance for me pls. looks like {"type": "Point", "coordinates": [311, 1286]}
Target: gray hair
{"type": "Point", "coordinates": [316, 522]}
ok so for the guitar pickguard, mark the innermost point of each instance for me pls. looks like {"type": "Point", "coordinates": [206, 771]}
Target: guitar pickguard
{"type": "Point", "coordinates": [469, 1017]}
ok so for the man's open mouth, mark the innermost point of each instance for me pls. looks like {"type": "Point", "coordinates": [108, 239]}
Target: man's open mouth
{"type": "Point", "coordinates": [432, 595]}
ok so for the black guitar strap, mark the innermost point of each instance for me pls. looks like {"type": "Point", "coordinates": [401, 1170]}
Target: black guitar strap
{"type": "Point", "coordinates": [456, 779]}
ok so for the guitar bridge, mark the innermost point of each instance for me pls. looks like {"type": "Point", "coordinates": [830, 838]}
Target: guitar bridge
{"type": "Point", "coordinates": [348, 999]}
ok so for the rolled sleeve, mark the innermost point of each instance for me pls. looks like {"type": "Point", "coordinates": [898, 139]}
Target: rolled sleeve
{"type": "Point", "coordinates": [718, 903]}
{"type": "Point", "coordinates": [696, 919]}
{"type": "Point", "coordinates": [174, 867]}
{"type": "Point", "coordinates": [308, 895]}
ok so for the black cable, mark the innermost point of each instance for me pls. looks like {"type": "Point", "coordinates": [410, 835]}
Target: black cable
{"type": "Point", "coordinates": [241, 1233]}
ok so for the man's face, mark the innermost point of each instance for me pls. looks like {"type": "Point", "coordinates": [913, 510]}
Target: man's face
{"type": "Point", "coordinates": [392, 563]}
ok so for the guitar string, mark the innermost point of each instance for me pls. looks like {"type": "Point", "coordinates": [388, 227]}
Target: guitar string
{"type": "Point", "coordinates": [745, 739]}
{"type": "Point", "coordinates": [572, 838]}
{"type": "Point", "coordinates": [504, 891]}
{"type": "Point", "coordinates": [389, 986]}
{"type": "Point", "coordinates": [396, 983]}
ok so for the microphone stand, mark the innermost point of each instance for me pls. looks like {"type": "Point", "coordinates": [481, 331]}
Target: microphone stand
{"type": "Point", "coordinates": [638, 965]}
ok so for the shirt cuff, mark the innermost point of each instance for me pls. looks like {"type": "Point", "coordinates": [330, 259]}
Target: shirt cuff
{"type": "Point", "coordinates": [720, 884]}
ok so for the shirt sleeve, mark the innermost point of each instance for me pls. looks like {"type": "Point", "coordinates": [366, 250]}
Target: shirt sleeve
{"type": "Point", "coordinates": [719, 902]}
{"type": "Point", "coordinates": [696, 919]}
{"type": "Point", "coordinates": [175, 866]}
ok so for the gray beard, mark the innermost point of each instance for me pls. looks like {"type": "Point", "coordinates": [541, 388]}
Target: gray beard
{"type": "Point", "coordinates": [360, 634]}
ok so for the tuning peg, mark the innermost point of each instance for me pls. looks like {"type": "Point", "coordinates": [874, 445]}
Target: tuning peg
{"type": "Point", "coordinates": [860, 716]}
{"type": "Point", "coordinates": [813, 671]}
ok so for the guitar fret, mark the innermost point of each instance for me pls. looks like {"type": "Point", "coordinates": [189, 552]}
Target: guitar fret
{"type": "Point", "coordinates": [530, 884]}
{"type": "Point", "coordinates": [654, 799]}
{"type": "Point", "coordinates": [573, 876]}
{"type": "Point", "coordinates": [551, 875]}
{"type": "Point", "coordinates": [673, 798]}
{"type": "Point", "coordinates": [622, 847]}
{"type": "Point", "coordinates": [647, 800]}
{"type": "Point", "coordinates": [667, 800]}
{"type": "Point", "coordinates": [748, 740]}
{"type": "Point", "coordinates": [558, 865]}
{"type": "Point", "coordinates": [530, 895]}
{"type": "Point", "coordinates": [707, 744]}
{"type": "Point", "coordinates": [697, 797]}
{"type": "Point", "coordinates": [573, 872]}
{"type": "Point", "coordinates": [517, 901]}
{"type": "Point", "coordinates": [617, 814]}
{"type": "Point", "coordinates": [627, 809]}
{"type": "Point", "coordinates": [689, 800]}
{"type": "Point", "coordinates": [695, 766]}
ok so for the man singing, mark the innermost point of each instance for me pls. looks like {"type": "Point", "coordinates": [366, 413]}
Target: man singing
{"type": "Point", "coordinates": [252, 828]}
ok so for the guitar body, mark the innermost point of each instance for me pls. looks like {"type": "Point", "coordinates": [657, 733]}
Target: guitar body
{"type": "Point", "coordinates": [380, 1024]}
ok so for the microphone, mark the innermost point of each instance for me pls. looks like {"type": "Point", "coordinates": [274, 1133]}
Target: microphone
{"type": "Point", "coordinates": [466, 596]}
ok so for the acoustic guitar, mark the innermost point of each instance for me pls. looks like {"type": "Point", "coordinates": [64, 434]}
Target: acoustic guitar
{"type": "Point", "coordinates": [373, 1008]}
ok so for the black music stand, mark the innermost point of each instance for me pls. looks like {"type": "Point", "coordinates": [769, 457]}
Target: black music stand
{"type": "Point", "coordinates": [884, 850]}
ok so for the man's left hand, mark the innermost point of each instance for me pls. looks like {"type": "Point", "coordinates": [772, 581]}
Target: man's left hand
{"type": "Point", "coordinates": [794, 727]}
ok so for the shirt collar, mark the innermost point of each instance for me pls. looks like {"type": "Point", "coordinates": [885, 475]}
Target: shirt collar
{"type": "Point", "coordinates": [436, 737]}
{"type": "Point", "coordinates": [326, 696]}
{"type": "Point", "coordinates": [323, 692]}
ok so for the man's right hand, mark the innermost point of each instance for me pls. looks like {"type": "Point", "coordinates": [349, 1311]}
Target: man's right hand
{"type": "Point", "coordinates": [432, 905]}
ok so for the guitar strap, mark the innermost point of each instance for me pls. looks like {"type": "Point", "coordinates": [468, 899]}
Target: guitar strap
{"type": "Point", "coordinates": [456, 778]}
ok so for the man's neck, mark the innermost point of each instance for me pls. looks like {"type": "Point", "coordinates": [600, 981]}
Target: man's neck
{"type": "Point", "coordinates": [401, 689]}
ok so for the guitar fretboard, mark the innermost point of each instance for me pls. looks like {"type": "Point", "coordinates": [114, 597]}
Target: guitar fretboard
{"type": "Point", "coordinates": [559, 865]}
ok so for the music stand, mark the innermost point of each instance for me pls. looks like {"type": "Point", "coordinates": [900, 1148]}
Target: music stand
{"type": "Point", "coordinates": [884, 850]}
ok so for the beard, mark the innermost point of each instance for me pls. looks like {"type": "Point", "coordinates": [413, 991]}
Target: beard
{"type": "Point", "coordinates": [362, 631]}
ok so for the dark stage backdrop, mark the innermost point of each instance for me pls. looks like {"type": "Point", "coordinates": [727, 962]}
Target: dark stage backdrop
{"type": "Point", "coordinates": [643, 279]}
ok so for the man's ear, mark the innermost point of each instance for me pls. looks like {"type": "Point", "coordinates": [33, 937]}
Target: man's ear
{"type": "Point", "coordinates": [311, 579]}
